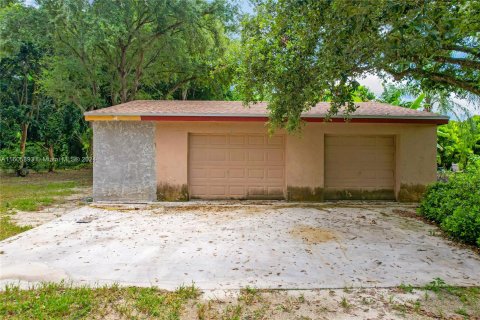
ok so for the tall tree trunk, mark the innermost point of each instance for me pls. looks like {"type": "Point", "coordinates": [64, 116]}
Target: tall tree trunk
{"type": "Point", "coordinates": [184, 93]}
{"type": "Point", "coordinates": [138, 75]}
{"type": "Point", "coordinates": [51, 165]}
{"type": "Point", "coordinates": [23, 143]}
{"type": "Point", "coordinates": [123, 76]}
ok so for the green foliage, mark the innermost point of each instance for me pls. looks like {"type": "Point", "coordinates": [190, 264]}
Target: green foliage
{"type": "Point", "coordinates": [458, 142]}
{"type": "Point", "coordinates": [455, 204]}
{"type": "Point", "coordinates": [296, 51]}
{"type": "Point", "coordinates": [63, 57]}
{"type": "Point", "coordinates": [109, 52]}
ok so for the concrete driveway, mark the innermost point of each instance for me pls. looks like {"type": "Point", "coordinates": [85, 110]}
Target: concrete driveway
{"type": "Point", "coordinates": [232, 245]}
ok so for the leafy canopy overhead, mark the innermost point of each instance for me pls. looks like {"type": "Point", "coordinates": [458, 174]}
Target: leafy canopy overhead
{"type": "Point", "coordinates": [110, 52]}
{"type": "Point", "coordinates": [296, 52]}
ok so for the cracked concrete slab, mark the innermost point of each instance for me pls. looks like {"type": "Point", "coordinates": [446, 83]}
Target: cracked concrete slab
{"type": "Point", "coordinates": [232, 245]}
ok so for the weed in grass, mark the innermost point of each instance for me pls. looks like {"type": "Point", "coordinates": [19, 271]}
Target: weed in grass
{"type": "Point", "coordinates": [260, 313]}
{"type": "Point", "coordinates": [417, 306]}
{"type": "Point", "coordinates": [436, 285]}
{"type": "Point", "coordinates": [284, 308]}
{"type": "Point", "coordinates": [432, 233]}
{"type": "Point", "coordinates": [365, 301]}
{"type": "Point", "coordinates": [233, 312]}
{"type": "Point", "coordinates": [400, 308]}
{"type": "Point", "coordinates": [249, 296]}
{"type": "Point", "coordinates": [390, 299]}
{"type": "Point", "coordinates": [406, 288]}
{"type": "Point", "coordinates": [203, 310]}
{"type": "Point", "coordinates": [462, 312]}
{"type": "Point", "coordinates": [301, 298]}
{"type": "Point", "coordinates": [344, 303]}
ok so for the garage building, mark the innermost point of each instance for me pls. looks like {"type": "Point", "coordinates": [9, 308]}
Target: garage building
{"type": "Point", "coordinates": [181, 150]}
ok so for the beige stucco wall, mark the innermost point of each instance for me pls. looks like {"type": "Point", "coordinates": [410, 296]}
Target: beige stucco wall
{"type": "Point", "coordinates": [415, 152]}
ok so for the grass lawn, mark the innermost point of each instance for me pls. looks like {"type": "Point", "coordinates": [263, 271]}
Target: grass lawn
{"type": "Point", "coordinates": [34, 192]}
{"type": "Point", "coordinates": [61, 301]}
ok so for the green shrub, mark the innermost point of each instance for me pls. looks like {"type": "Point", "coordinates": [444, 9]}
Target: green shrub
{"type": "Point", "coordinates": [9, 158]}
{"type": "Point", "coordinates": [455, 205]}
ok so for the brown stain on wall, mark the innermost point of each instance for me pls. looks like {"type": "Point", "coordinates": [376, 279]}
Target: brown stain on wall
{"type": "Point", "coordinates": [305, 194]}
{"type": "Point", "coordinates": [411, 192]}
{"type": "Point", "coordinates": [355, 194]}
{"type": "Point", "coordinates": [168, 192]}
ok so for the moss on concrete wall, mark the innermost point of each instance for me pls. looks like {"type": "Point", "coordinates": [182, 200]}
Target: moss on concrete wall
{"type": "Point", "coordinates": [411, 192]}
{"type": "Point", "coordinates": [304, 194]}
{"type": "Point", "coordinates": [168, 192]}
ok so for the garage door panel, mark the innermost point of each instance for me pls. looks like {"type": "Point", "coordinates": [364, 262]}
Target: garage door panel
{"type": "Point", "coordinates": [199, 173]}
{"type": "Point", "coordinates": [274, 191]}
{"type": "Point", "coordinates": [254, 191]}
{"type": "Point", "coordinates": [236, 191]}
{"type": "Point", "coordinates": [238, 155]}
{"type": "Point", "coordinates": [256, 155]}
{"type": "Point", "coordinates": [275, 155]}
{"type": "Point", "coordinates": [217, 155]}
{"type": "Point", "coordinates": [275, 173]}
{"type": "Point", "coordinates": [218, 173]}
{"type": "Point", "coordinates": [217, 140]}
{"type": "Point", "coordinates": [354, 164]}
{"type": "Point", "coordinates": [217, 190]}
{"type": "Point", "coordinates": [199, 190]}
{"type": "Point", "coordinates": [258, 140]}
{"type": "Point", "coordinates": [236, 166]}
{"type": "Point", "coordinates": [236, 140]}
{"type": "Point", "coordinates": [237, 173]}
{"type": "Point", "coordinates": [275, 141]}
{"type": "Point", "coordinates": [256, 173]}
{"type": "Point", "coordinates": [199, 140]}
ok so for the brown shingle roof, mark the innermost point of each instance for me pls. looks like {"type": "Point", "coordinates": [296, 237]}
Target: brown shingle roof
{"type": "Point", "coordinates": [177, 108]}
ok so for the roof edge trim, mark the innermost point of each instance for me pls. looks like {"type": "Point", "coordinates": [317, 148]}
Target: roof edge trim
{"type": "Point", "coordinates": [257, 118]}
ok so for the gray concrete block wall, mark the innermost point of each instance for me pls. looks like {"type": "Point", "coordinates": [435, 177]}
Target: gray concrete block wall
{"type": "Point", "coordinates": [124, 161]}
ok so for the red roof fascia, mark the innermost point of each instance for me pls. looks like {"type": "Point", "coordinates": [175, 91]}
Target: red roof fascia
{"type": "Point", "coordinates": [307, 119]}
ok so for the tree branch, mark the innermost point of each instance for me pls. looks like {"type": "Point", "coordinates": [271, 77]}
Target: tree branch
{"type": "Point", "coordinates": [460, 61]}
{"type": "Point", "coordinates": [178, 85]}
{"type": "Point", "coordinates": [468, 50]}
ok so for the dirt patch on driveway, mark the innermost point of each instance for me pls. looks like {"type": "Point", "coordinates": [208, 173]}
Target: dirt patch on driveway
{"type": "Point", "coordinates": [312, 235]}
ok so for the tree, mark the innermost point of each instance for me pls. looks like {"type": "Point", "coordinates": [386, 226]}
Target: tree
{"type": "Point", "coordinates": [123, 50]}
{"type": "Point", "coordinates": [22, 48]}
{"type": "Point", "coordinates": [295, 51]}
{"type": "Point", "coordinates": [410, 95]}
{"type": "Point", "coordinates": [458, 140]}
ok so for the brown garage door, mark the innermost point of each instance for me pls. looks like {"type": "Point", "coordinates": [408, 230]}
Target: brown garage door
{"type": "Point", "coordinates": [236, 166]}
{"type": "Point", "coordinates": [359, 167]}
